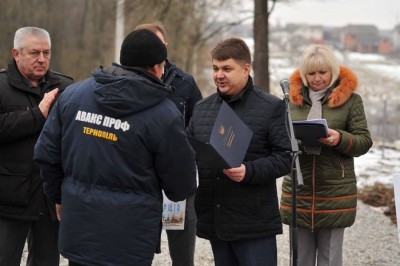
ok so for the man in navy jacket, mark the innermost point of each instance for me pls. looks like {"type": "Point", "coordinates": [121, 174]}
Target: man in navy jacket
{"type": "Point", "coordinates": [111, 144]}
{"type": "Point", "coordinates": [185, 95]}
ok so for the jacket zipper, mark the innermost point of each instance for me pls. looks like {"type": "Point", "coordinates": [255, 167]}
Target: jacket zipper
{"type": "Point", "coordinates": [313, 195]}
{"type": "Point", "coordinates": [184, 113]}
{"type": "Point", "coordinates": [342, 167]}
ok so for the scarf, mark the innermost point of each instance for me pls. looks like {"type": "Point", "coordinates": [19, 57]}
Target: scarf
{"type": "Point", "coordinates": [315, 113]}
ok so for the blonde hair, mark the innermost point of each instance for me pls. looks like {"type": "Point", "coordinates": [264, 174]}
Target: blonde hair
{"type": "Point", "coordinates": [318, 57]}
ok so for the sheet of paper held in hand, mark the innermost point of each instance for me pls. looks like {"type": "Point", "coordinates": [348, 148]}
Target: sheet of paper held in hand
{"type": "Point", "coordinates": [309, 131]}
{"type": "Point", "coordinates": [229, 141]}
{"type": "Point", "coordinates": [173, 215]}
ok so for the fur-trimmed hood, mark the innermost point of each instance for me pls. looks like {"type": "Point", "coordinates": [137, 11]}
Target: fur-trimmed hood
{"type": "Point", "coordinates": [337, 96]}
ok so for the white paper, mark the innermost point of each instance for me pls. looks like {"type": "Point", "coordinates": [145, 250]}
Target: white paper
{"type": "Point", "coordinates": [396, 185]}
{"type": "Point", "coordinates": [173, 215]}
{"type": "Point", "coordinates": [318, 121]}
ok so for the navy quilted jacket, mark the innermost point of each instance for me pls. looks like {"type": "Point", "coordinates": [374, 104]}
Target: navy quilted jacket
{"type": "Point", "coordinates": [186, 93]}
{"type": "Point", "coordinates": [229, 210]}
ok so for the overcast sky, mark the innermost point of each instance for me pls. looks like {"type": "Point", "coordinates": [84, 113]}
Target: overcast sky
{"type": "Point", "coordinates": [385, 14]}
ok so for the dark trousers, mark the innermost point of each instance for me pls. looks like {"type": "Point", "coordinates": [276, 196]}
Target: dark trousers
{"type": "Point", "coordinates": [182, 243]}
{"type": "Point", "coordinates": [248, 252]}
{"type": "Point", "coordinates": [41, 236]}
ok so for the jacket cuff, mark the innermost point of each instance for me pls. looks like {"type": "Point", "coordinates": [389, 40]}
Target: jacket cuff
{"type": "Point", "coordinates": [249, 172]}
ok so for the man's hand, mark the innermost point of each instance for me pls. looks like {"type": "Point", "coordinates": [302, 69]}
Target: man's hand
{"type": "Point", "coordinates": [236, 174]}
{"type": "Point", "coordinates": [58, 211]}
{"type": "Point", "coordinates": [48, 99]}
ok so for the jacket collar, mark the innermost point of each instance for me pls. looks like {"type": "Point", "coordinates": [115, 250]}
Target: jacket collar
{"type": "Point", "coordinates": [141, 71]}
{"type": "Point", "coordinates": [170, 72]}
{"type": "Point", "coordinates": [241, 95]}
{"type": "Point", "coordinates": [17, 80]}
{"type": "Point", "coordinates": [345, 85]}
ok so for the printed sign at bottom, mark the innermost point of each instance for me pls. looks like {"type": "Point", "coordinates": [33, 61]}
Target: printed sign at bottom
{"type": "Point", "coordinates": [173, 215]}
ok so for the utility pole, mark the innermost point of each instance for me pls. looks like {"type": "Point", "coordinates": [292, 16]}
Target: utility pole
{"type": "Point", "coordinates": [119, 27]}
{"type": "Point", "coordinates": [384, 126]}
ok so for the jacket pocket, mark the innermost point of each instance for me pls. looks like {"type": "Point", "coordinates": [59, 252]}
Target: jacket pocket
{"type": "Point", "coordinates": [15, 183]}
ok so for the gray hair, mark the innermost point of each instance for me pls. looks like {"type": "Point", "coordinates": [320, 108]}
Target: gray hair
{"type": "Point", "coordinates": [22, 33]}
{"type": "Point", "coordinates": [319, 57]}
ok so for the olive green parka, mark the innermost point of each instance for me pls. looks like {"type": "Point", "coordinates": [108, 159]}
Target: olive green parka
{"type": "Point", "coordinates": [328, 198]}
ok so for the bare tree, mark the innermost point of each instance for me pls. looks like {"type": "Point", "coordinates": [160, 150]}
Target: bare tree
{"type": "Point", "coordinates": [192, 26]}
{"type": "Point", "coordinates": [83, 31]}
{"type": "Point", "coordinates": [261, 50]}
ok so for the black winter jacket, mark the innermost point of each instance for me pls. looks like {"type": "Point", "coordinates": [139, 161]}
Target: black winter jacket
{"type": "Point", "coordinates": [185, 93]}
{"type": "Point", "coordinates": [229, 210]}
{"type": "Point", "coordinates": [21, 190]}
{"type": "Point", "coordinates": [111, 143]}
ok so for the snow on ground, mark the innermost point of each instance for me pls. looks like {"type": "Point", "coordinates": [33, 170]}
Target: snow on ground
{"type": "Point", "coordinates": [389, 71]}
{"type": "Point", "coordinates": [377, 63]}
{"type": "Point", "coordinates": [362, 57]}
{"type": "Point", "coordinates": [377, 166]}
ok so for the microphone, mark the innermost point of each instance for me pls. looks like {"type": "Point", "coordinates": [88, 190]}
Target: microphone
{"type": "Point", "coordinates": [285, 84]}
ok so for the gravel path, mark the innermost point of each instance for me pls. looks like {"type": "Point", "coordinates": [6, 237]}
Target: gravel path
{"type": "Point", "coordinates": [372, 240]}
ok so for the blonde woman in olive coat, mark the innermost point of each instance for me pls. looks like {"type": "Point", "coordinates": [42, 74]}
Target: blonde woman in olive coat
{"type": "Point", "coordinates": [327, 202]}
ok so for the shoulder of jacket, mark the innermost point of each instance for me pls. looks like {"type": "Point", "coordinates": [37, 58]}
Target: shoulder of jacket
{"type": "Point", "coordinates": [3, 74]}
{"type": "Point", "coordinates": [212, 97]}
{"type": "Point", "coordinates": [265, 95]}
{"type": "Point", "coordinates": [209, 100]}
{"type": "Point", "coordinates": [186, 76]}
{"type": "Point", "coordinates": [180, 73]}
{"type": "Point", "coordinates": [60, 74]}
